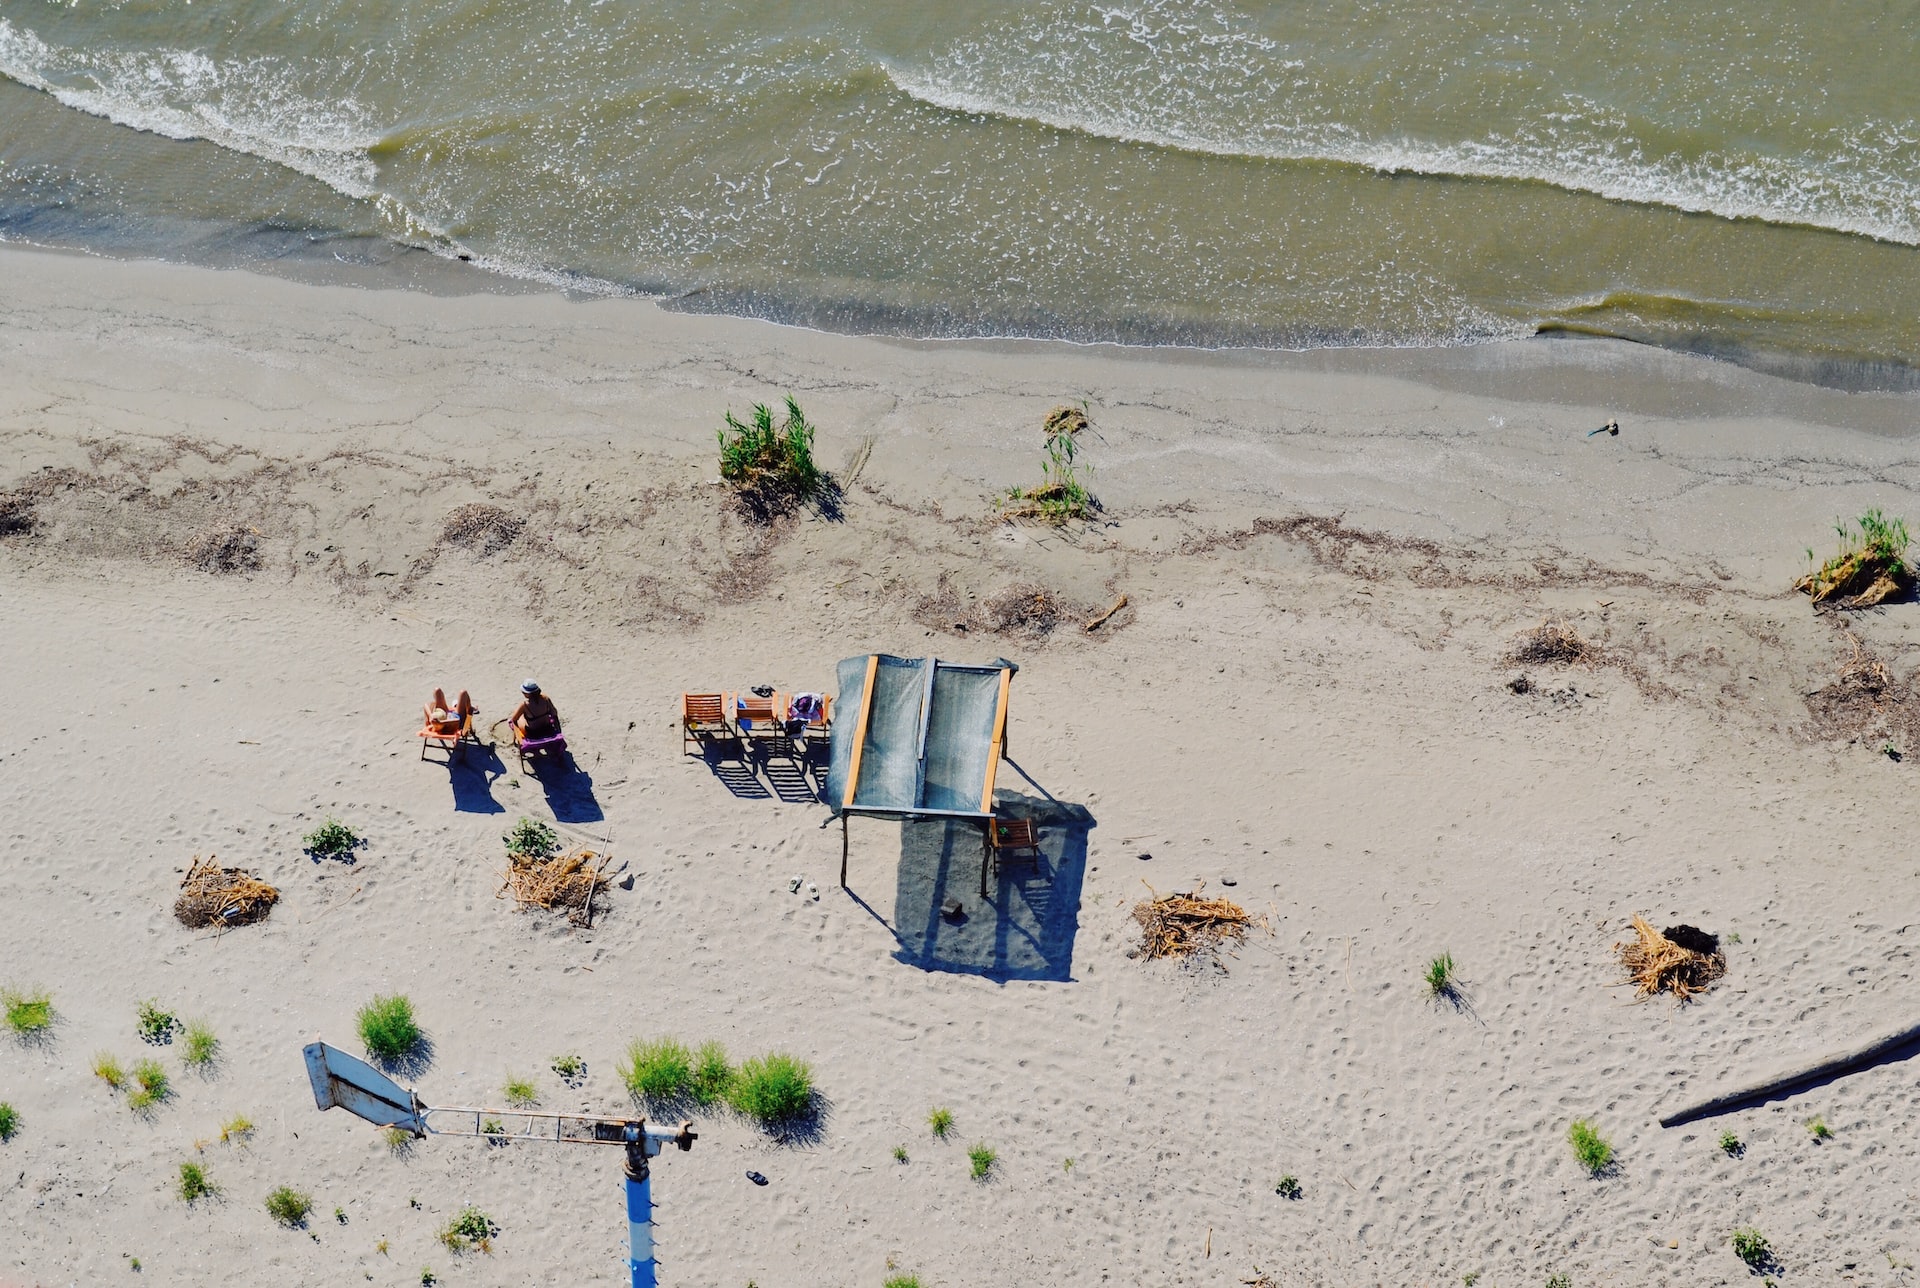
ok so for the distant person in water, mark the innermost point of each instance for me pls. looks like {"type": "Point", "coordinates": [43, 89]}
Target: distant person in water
{"type": "Point", "coordinates": [535, 718]}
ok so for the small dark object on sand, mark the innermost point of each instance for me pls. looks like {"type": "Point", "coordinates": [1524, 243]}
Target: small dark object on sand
{"type": "Point", "coordinates": [1611, 428]}
{"type": "Point", "coordinates": [756, 1178]}
{"type": "Point", "coordinates": [1520, 684]}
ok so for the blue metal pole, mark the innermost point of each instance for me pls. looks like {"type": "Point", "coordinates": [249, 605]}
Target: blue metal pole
{"type": "Point", "coordinates": [640, 1227]}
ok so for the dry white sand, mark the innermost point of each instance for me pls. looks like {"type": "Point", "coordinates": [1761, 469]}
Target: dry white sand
{"type": "Point", "coordinates": [1313, 710]}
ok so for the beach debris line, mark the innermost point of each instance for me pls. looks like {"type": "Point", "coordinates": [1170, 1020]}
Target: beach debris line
{"type": "Point", "coordinates": [211, 895]}
{"type": "Point", "coordinates": [1188, 925]}
{"type": "Point", "coordinates": [481, 528]}
{"type": "Point", "coordinates": [1682, 960]}
{"type": "Point", "coordinates": [225, 547]}
{"type": "Point", "coordinates": [1871, 565]}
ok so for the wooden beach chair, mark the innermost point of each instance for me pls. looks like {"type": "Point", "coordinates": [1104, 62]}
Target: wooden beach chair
{"type": "Point", "coordinates": [702, 716]}
{"type": "Point", "coordinates": [762, 721]}
{"type": "Point", "coordinates": [1013, 841]}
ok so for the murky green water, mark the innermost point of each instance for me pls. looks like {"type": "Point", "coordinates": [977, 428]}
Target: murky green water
{"type": "Point", "coordinates": [1743, 179]}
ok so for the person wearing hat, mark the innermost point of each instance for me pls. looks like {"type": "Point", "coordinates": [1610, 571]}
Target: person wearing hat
{"type": "Point", "coordinates": [535, 718]}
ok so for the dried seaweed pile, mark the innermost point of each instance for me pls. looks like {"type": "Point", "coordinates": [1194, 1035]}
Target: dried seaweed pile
{"type": "Point", "coordinates": [1682, 960]}
{"type": "Point", "coordinates": [226, 547]}
{"type": "Point", "coordinates": [1551, 643]}
{"type": "Point", "coordinates": [570, 881]}
{"type": "Point", "coordinates": [216, 896]}
{"type": "Point", "coordinates": [482, 528]}
{"type": "Point", "coordinates": [1024, 609]}
{"type": "Point", "coordinates": [1188, 925]}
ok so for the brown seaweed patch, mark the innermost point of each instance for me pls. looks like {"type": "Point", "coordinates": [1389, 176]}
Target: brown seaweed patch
{"type": "Point", "coordinates": [481, 528]}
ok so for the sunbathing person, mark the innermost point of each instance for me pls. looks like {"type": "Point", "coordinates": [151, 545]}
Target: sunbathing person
{"type": "Point", "coordinates": [448, 719]}
{"type": "Point", "coordinates": [535, 718]}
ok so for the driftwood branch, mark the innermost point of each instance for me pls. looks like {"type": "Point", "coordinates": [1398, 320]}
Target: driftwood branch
{"type": "Point", "coordinates": [1100, 621]}
{"type": "Point", "coordinates": [1833, 1066]}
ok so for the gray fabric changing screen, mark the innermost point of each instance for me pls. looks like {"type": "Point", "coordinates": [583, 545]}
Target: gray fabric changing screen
{"type": "Point", "coordinates": [914, 735]}
{"type": "Point", "coordinates": [960, 737]}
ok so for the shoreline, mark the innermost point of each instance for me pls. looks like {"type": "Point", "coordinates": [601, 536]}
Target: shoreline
{"type": "Point", "coordinates": [1307, 706]}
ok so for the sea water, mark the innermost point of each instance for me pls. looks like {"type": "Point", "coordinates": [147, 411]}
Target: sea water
{"type": "Point", "coordinates": [1742, 179]}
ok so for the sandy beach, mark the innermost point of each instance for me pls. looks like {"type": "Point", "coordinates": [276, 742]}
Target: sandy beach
{"type": "Point", "coordinates": [1306, 706]}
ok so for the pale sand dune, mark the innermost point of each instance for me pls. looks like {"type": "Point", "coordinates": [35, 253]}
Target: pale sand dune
{"type": "Point", "coordinates": [1319, 716]}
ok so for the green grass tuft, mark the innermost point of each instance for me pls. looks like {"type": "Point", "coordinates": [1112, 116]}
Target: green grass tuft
{"type": "Point", "coordinates": [1559, 1281]}
{"type": "Point", "coordinates": [1063, 496]}
{"type": "Point", "coordinates": [237, 1130]}
{"type": "Point", "coordinates": [774, 461]}
{"type": "Point", "coordinates": [9, 1122]}
{"type": "Point", "coordinates": [1818, 1129]}
{"type": "Point", "coordinates": [772, 1090]}
{"type": "Point", "coordinates": [712, 1075]}
{"type": "Point", "coordinates": [289, 1207]}
{"type": "Point", "coordinates": [660, 1071]}
{"type": "Point", "coordinates": [1440, 977]}
{"type": "Point", "coordinates": [1287, 1187]}
{"type": "Point", "coordinates": [1870, 565]}
{"type": "Point", "coordinates": [106, 1067]}
{"type": "Point", "coordinates": [1751, 1246]}
{"type": "Point", "coordinates": [399, 1141]}
{"type": "Point", "coordinates": [1590, 1147]}
{"type": "Point", "coordinates": [901, 1281]}
{"type": "Point", "coordinates": [195, 1184]}
{"type": "Point", "coordinates": [899, 1153]}
{"type": "Point", "coordinates": [388, 1028]}
{"type": "Point", "coordinates": [200, 1047]}
{"type": "Point", "coordinates": [569, 1066]}
{"type": "Point", "coordinates": [982, 1159]}
{"type": "Point", "coordinates": [941, 1120]}
{"type": "Point", "coordinates": [29, 1014]}
{"type": "Point", "coordinates": [472, 1230]}
{"type": "Point", "coordinates": [532, 838]}
{"type": "Point", "coordinates": [521, 1093]}
{"type": "Point", "coordinates": [154, 1087]}
{"type": "Point", "coordinates": [1731, 1145]}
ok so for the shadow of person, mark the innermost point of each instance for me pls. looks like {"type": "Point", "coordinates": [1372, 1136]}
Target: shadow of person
{"type": "Point", "coordinates": [471, 775]}
{"type": "Point", "coordinates": [569, 788]}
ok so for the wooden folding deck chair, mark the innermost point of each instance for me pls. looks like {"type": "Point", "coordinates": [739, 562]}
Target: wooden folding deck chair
{"type": "Point", "coordinates": [703, 715]}
{"type": "Point", "coordinates": [1011, 841]}
{"type": "Point", "coordinates": [447, 734]}
{"type": "Point", "coordinates": [763, 721]}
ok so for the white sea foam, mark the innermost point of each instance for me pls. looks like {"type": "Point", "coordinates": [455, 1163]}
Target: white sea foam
{"type": "Point", "coordinates": [250, 106]}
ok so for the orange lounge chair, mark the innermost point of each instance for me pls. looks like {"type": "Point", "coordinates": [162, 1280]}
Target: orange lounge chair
{"type": "Point", "coordinates": [757, 719]}
{"type": "Point", "coordinates": [447, 730]}
{"type": "Point", "coordinates": [703, 715]}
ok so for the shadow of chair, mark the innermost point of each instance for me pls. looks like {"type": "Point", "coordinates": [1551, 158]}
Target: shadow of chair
{"type": "Point", "coordinates": [1027, 925]}
{"type": "Point", "coordinates": [471, 776]}
{"type": "Point", "coordinates": [736, 774]}
{"type": "Point", "coordinates": [568, 787]}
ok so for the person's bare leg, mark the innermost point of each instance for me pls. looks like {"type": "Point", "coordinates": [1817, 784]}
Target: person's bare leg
{"type": "Point", "coordinates": [464, 707]}
{"type": "Point", "coordinates": [439, 699]}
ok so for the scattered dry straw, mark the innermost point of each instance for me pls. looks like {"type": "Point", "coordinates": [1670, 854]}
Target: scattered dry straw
{"type": "Point", "coordinates": [1188, 925]}
{"type": "Point", "coordinates": [568, 881]}
{"type": "Point", "coordinates": [216, 896]}
{"type": "Point", "coordinates": [1683, 960]}
{"type": "Point", "coordinates": [484, 529]}
{"type": "Point", "coordinates": [1551, 643]}
{"type": "Point", "coordinates": [226, 547]}
{"type": "Point", "coordinates": [1026, 609]}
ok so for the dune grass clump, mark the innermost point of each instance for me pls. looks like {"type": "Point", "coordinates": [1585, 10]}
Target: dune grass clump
{"type": "Point", "coordinates": [772, 1090]}
{"type": "Point", "coordinates": [398, 1140]}
{"type": "Point", "coordinates": [29, 1014]}
{"type": "Point", "coordinates": [289, 1206]}
{"type": "Point", "coordinates": [941, 1121]}
{"type": "Point", "coordinates": [1440, 978]}
{"type": "Point", "coordinates": [472, 1230]}
{"type": "Point", "coordinates": [154, 1088]}
{"type": "Point", "coordinates": [332, 840]}
{"type": "Point", "coordinates": [200, 1047]}
{"type": "Point", "coordinates": [712, 1075]}
{"type": "Point", "coordinates": [9, 1122]}
{"type": "Point", "coordinates": [1751, 1246]}
{"type": "Point", "coordinates": [388, 1029]}
{"type": "Point", "coordinates": [901, 1281]}
{"type": "Point", "coordinates": [981, 1159]}
{"type": "Point", "coordinates": [237, 1130]}
{"type": "Point", "coordinates": [521, 1093]}
{"type": "Point", "coordinates": [195, 1183]}
{"type": "Point", "coordinates": [1063, 496]}
{"type": "Point", "coordinates": [532, 839]}
{"type": "Point", "coordinates": [1870, 567]}
{"type": "Point", "coordinates": [106, 1067]}
{"type": "Point", "coordinates": [156, 1026]}
{"type": "Point", "coordinates": [660, 1071]}
{"type": "Point", "coordinates": [770, 465]}
{"type": "Point", "coordinates": [569, 1067]}
{"type": "Point", "coordinates": [1594, 1151]}
{"type": "Point", "coordinates": [899, 1153]}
